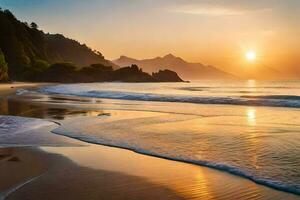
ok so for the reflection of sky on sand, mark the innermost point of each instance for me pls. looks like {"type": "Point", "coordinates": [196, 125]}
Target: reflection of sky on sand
{"type": "Point", "coordinates": [49, 107]}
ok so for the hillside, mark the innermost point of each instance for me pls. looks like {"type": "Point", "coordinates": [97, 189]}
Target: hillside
{"type": "Point", "coordinates": [184, 69]}
{"type": "Point", "coordinates": [67, 73]}
{"type": "Point", "coordinates": [26, 49]}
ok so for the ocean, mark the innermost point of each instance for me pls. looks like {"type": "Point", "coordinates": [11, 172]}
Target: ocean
{"type": "Point", "coordinates": [247, 128]}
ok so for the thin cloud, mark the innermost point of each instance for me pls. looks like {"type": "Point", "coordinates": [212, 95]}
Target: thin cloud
{"type": "Point", "coordinates": [209, 11]}
{"type": "Point", "coordinates": [206, 10]}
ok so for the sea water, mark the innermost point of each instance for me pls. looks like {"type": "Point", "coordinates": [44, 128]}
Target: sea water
{"type": "Point", "coordinates": [247, 128]}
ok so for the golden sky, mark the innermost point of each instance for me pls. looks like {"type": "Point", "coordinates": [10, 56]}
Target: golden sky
{"type": "Point", "coordinates": [216, 32]}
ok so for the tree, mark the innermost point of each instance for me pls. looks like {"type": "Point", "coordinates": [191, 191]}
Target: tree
{"type": "Point", "coordinates": [34, 25]}
{"type": "Point", "coordinates": [3, 68]}
{"type": "Point", "coordinates": [34, 71]}
{"type": "Point", "coordinates": [9, 14]}
{"type": "Point", "coordinates": [60, 72]}
{"type": "Point", "coordinates": [101, 67]}
{"type": "Point", "coordinates": [40, 65]}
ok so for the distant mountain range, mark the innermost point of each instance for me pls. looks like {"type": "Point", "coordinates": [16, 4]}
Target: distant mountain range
{"type": "Point", "coordinates": [186, 70]}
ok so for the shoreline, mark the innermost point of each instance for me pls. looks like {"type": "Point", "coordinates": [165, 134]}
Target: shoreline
{"type": "Point", "coordinates": [96, 165]}
{"type": "Point", "coordinates": [9, 88]}
{"type": "Point", "coordinates": [165, 164]}
{"type": "Point", "coordinates": [217, 167]}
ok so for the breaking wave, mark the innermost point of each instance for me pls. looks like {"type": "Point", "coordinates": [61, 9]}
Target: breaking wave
{"type": "Point", "coordinates": [289, 101]}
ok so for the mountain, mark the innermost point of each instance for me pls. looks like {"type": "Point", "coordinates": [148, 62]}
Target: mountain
{"type": "Point", "coordinates": [25, 49]}
{"type": "Point", "coordinates": [184, 69]}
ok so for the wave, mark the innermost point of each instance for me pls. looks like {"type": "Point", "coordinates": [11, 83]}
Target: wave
{"type": "Point", "coordinates": [13, 125]}
{"type": "Point", "coordinates": [24, 131]}
{"type": "Point", "coordinates": [277, 97]}
{"type": "Point", "coordinates": [237, 87]}
{"type": "Point", "coordinates": [289, 101]}
{"type": "Point", "coordinates": [219, 166]}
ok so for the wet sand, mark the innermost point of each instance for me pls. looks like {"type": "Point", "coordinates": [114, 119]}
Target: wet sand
{"type": "Point", "coordinates": [40, 175]}
{"type": "Point", "coordinates": [98, 172]}
{"type": "Point", "coordinates": [9, 88]}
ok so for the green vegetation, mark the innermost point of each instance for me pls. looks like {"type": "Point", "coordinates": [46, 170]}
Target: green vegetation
{"type": "Point", "coordinates": [3, 68]}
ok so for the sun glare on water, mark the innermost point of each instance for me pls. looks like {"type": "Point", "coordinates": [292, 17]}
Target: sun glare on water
{"type": "Point", "coordinates": [250, 56]}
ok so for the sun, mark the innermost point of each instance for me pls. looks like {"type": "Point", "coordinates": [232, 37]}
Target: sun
{"type": "Point", "coordinates": [250, 56]}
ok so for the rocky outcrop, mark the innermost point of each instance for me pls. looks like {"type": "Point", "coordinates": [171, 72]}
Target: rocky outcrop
{"type": "Point", "coordinates": [132, 74]}
{"type": "Point", "coordinates": [166, 76]}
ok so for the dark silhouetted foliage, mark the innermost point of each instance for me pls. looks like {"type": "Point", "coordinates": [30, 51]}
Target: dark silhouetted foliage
{"type": "Point", "coordinates": [34, 25]}
{"type": "Point", "coordinates": [96, 72]}
{"type": "Point", "coordinates": [68, 73]}
{"type": "Point", "coordinates": [3, 68]}
{"type": "Point", "coordinates": [166, 76]}
{"type": "Point", "coordinates": [132, 74]}
{"type": "Point", "coordinates": [59, 72]}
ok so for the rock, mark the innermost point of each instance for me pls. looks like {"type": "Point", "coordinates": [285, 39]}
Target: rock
{"type": "Point", "coordinates": [166, 76]}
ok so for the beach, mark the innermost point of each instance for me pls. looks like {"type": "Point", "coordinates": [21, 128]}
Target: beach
{"type": "Point", "coordinates": [98, 172]}
{"type": "Point", "coordinates": [149, 100]}
{"type": "Point", "coordinates": [57, 161]}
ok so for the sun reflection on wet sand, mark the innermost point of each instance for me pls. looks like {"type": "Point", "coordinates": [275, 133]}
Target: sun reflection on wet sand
{"type": "Point", "coordinates": [203, 185]}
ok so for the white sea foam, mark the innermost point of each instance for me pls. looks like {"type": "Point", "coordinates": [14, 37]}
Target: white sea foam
{"type": "Point", "coordinates": [12, 125]}
{"type": "Point", "coordinates": [23, 131]}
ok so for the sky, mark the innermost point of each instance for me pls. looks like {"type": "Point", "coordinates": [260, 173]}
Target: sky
{"type": "Point", "coordinates": [215, 32]}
